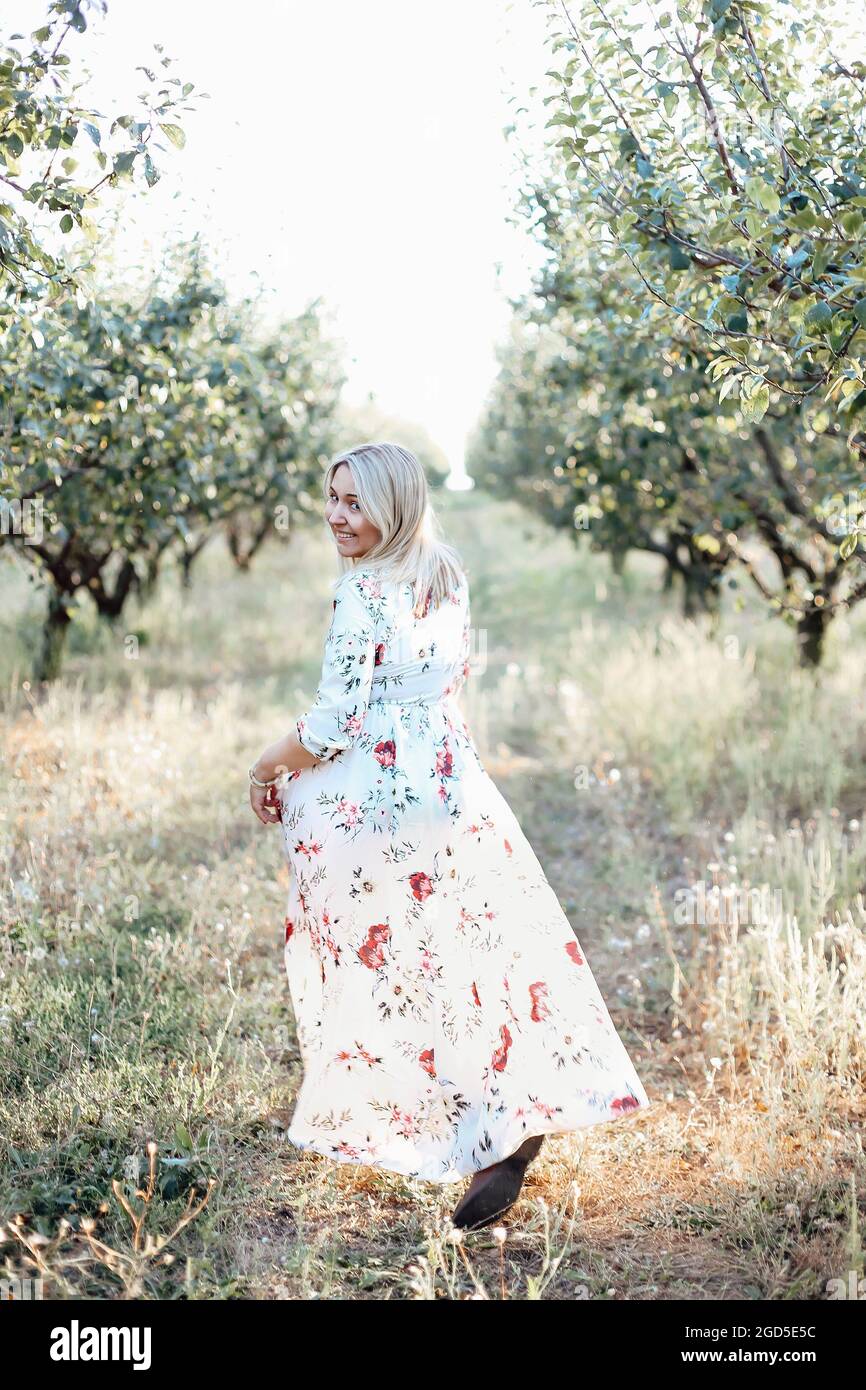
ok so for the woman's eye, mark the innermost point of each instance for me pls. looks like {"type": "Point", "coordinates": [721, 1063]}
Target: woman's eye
{"type": "Point", "coordinates": [356, 505]}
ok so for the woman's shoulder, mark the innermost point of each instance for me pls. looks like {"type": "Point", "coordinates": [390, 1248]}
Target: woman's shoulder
{"type": "Point", "coordinates": [378, 592]}
{"type": "Point", "coordinates": [365, 592]}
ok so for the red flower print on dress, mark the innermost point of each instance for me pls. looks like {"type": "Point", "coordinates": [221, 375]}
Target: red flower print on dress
{"type": "Point", "coordinates": [345, 1055]}
{"type": "Point", "coordinates": [508, 849]}
{"type": "Point", "coordinates": [500, 1056]}
{"type": "Point", "coordinates": [380, 654]}
{"type": "Point", "coordinates": [421, 885]}
{"type": "Point", "coordinates": [290, 927]}
{"type": "Point", "coordinates": [386, 753]}
{"type": "Point", "coordinates": [623, 1103]}
{"type": "Point", "coordinates": [353, 725]}
{"type": "Point", "coordinates": [444, 762]}
{"type": "Point", "coordinates": [426, 1060]}
{"type": "Point", "coordinates": [538, 994]}
{"type": "Point", "coordinates": [309, 850]}
{"type": "Point", "coordinates": [370, 586]}
{"type": "Point", "coordinates": [350, 1151]}
{"type": "Point", "coordinates": [372, 952]}
{"type": "Point", "coordinates": [475, 995]}
{"type": "Point", "coordinates": [573, 951]}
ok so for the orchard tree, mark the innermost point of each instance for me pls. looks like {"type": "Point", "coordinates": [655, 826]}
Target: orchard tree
{"type": "Point", "coordinates": [710, 160]}
{"type": "Point", "coordinates": [721, 145]}
{"type": "Point", "coordinates": [58, 156]}
{"type": "Point", "coordinates": [129, 435]}
{"type": "Point", "coordinates": [288, 399]}
{"type": "Point", "coordinates": [608, 449]}
{"type": "Point", "coordinates": [106, 442]}
{"type": "Point", "coordinates": [608, 431]}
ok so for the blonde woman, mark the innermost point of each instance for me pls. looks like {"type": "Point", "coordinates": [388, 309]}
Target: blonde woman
{"type": "Point", "coordinates": [446, 1014]}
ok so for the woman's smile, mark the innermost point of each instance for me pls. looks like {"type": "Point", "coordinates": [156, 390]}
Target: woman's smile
{"type": "Point", "coordinates": [343, 500]}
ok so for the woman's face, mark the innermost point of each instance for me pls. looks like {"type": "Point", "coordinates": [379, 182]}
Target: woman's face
{"type": "Point", "coordinates": [354, 533]}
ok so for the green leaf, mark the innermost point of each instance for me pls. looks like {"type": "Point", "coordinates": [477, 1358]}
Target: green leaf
{"type": "Point", "coordinates": [764, 194]}
{"type": "Point", "coordinates": [66, 222]}
{"type": "Point", "coordinates": [124, 161]}
{"type": "Point", "coordinates": [756, 405]}
{"type": "Point", "coordinates": [848, 546]}
{"type": "Point", "coordinates": [819, 315]}
{"type": "Point", "coordinates": [754, 224]}
{"type": "Point", "coordinates": [175, 135]}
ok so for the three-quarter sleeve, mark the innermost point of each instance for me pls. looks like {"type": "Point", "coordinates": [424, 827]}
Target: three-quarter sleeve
{"type": "Point", "coordinates": [336, 717]}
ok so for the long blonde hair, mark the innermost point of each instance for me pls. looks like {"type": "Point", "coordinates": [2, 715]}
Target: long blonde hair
{"type": "Point", "coordinates": [392, 491]}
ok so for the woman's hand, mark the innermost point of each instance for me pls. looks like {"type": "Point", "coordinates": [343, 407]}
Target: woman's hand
{"type": "Point", "coordinates": [265, 802]}
{"type": "Point", "coordinates": [287, 755]}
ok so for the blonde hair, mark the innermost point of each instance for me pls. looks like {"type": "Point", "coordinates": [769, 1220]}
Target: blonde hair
{"type": "Point", "coordinates": [392, 491]}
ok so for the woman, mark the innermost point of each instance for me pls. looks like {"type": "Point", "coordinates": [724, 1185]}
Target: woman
{"type": "Point", "coordinates": [446, 1013]}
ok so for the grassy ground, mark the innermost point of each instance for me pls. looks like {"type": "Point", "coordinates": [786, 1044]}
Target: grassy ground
{"type": "Point", "coordinates": [146, 1036]}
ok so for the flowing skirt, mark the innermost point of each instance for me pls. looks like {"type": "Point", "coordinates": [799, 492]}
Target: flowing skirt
{"type": "Point", "coordinates": [445, 1008]}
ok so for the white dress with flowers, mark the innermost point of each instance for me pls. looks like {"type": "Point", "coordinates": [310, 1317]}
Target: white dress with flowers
{"type": "Point", "coordinates": [445, 1009]}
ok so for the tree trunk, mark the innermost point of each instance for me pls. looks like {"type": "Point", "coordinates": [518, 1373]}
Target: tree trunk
{"type": "Point", "coordinates": [110, 605]}
{"type": "Point", "coordinates": [57, 620]}
{"type": "Point", "coordinates": [701, 592]}
{"type": "Point", "coordinates": [811, 631]}
{"type": "Point", "coordinates": [187, 559]}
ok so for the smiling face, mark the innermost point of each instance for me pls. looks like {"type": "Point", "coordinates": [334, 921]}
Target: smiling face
{"type": "Point", "coordinates": [353, 532]}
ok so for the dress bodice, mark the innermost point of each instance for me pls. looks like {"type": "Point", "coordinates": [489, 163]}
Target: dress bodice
{"type": "Point", "coordinates": [416, 658]}
{"type": "Point", "coordinates": [379, 652]}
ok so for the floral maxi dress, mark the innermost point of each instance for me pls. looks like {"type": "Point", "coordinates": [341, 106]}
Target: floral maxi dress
{"type": "Point", "coordinates": [445, 1009]}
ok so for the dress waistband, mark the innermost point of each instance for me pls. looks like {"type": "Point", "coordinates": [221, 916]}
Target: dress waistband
{"type": "Point", "coordinates": [412, 683]}
{"type": "Point", "coordinates": [408, 700]}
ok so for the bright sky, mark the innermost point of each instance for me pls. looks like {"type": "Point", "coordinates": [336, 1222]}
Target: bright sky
{"type": "Point", "coordinates": [352, 150]}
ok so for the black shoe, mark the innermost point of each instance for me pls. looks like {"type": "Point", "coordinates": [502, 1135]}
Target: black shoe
{"type": "Point", "coordinates": [500, 1191]}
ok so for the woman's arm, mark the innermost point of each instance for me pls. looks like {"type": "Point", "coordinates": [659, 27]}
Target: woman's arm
{"type": "Point", "coordinates": [286, 755]}
{"type": "Point", "coordinates": [335, 720]}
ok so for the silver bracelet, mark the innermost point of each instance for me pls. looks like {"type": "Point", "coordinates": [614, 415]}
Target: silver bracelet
{"type": "Point", "coordinates": [256, 783]}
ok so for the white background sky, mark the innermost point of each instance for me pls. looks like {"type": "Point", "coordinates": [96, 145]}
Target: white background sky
{"type": "Point", "coordinates": [352, 150]}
